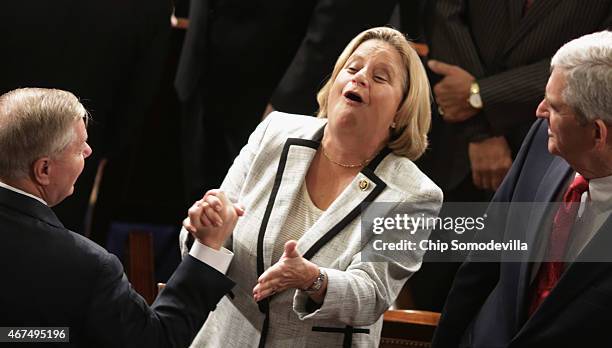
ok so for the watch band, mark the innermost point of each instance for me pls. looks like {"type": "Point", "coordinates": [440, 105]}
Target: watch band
{"type": "Point", "coordinates": [317, 284]}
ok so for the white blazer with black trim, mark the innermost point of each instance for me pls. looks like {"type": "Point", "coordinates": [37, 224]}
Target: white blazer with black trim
{"type": "Point", "coordinates": [266, 177]}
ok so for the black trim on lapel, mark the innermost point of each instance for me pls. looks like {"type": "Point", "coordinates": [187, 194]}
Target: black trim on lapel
{"type": "Point", "coordinates": [368, 171]}
{"type": "Point", "coordinates": [264, 305]}
{"type": "Point", "coordinates": [380, 186]}
{"type": "Point", "coordinates": [277, 182]}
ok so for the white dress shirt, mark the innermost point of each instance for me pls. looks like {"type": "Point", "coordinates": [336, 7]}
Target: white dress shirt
{"type": "Point", "coordinates": [218, 259]}
{"type": "Point", "coordinates": [596, 206]}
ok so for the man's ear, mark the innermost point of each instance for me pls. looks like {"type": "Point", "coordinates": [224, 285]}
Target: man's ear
{"type": "Point", "coordinates": [41, 169]}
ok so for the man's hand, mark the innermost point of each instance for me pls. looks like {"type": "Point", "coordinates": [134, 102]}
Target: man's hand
{"type": "Point", "coordinates": [292, 271]}
{"type": "Point", "coordinates": [490, 161]}
{"type": "Point", "coordinates": [453, 91]}
{"type": "Point", "coordinates": [212, 219]}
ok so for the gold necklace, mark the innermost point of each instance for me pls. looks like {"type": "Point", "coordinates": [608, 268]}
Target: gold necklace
{"type": "Point", "coordinates": [347, 165]}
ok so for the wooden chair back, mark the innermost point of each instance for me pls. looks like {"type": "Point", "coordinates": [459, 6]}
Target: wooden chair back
{"type": "Point", "coordinates": [408, 328]}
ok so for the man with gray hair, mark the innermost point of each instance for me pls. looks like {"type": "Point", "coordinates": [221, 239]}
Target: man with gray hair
{"type": "Point", "coordinates": [564, 298]}
{"type": "Point", "coordinates": [52, 277]}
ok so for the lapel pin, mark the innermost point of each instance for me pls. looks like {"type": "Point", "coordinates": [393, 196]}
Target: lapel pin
{"type": "Point", "coordinates": [364, 184]}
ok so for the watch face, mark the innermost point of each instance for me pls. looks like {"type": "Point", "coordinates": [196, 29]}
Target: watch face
{"type": "Point", "coordinates": [475, 101]}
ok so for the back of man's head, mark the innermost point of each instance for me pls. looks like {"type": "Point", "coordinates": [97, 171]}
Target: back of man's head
{"type": "Point", "coordinates": [587, 65]}
{"type": "Point", "coordinates": [35, 122]}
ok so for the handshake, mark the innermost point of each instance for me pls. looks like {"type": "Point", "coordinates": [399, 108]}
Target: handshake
{"type": "Point", "coordinates": [212, 219]}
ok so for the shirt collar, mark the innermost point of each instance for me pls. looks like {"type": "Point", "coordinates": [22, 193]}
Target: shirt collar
{"type": "Point", "coordinates": [600, 192]}
{"type": "Point", "coordinates": [14, 189]}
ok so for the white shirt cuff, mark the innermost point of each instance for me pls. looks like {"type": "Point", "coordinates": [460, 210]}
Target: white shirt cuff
{"type": "Point", "coordinates": [217, 259]}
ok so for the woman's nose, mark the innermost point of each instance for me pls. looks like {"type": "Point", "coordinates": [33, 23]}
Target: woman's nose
{"type": "Point", "coordinates": [360, 78]}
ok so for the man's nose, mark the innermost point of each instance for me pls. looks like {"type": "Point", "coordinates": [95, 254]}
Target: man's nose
{"type": "Point", "coordinates": [88, 151]}
{"type": "Point", "coordinates": [542, 110]}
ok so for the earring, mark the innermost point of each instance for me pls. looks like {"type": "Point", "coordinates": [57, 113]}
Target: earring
{"type": "Point", "coordinates": [393, 125]}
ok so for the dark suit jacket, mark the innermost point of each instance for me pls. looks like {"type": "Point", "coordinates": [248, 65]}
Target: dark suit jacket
{"type": "Point", "coordinates": [509, 54]}
{"type": "Point", "coordinates": [54, 277]}
{"type": "Point", "coordinates": [487, 305]}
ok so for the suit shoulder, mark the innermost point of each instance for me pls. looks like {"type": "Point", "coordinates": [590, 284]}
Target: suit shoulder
{"type": "Point", "coordinates": [292, 125]}
{"type": "Point", "coordinates": [401, 174]}
{"type": "Point", "coordinates": [81, 249]}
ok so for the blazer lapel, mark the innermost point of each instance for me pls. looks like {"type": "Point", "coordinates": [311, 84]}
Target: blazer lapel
{"type": "Point", "coordinates": [344, 210]}
{"type": "Point", "coordinates": [537, 11]}
{"type": "Point", "coordinates": [552, 182]}
{"type": "Point", "coordinates": [292, 166]}
{"type": "Point", "coordinates": [298, 159]}
{"type": "Point", "coordinates": [578, 275]}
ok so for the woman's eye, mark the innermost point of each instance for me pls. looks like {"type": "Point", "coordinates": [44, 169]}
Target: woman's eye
{"type": "Point", "coordinates": [351, 69]}
{"type": "Point", "coordinates": [380, 78]}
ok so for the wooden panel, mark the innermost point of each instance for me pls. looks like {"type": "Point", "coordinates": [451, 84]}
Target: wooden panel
{"type": "Point", "coordinates": [140, 268]}
{"type": "Point", "coordinates": [408, 328]}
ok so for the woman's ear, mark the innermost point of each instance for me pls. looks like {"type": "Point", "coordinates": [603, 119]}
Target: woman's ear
{"type": "Point", "coordinates": [40, 171]}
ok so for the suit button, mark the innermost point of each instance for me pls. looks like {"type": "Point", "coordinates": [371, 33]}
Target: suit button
{"type": "Point", "coordinates": [364, 184]}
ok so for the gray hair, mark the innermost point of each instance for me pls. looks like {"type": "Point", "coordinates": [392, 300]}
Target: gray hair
{"type": "Point", "coordinates": [586, 63]}
{"type": "Point", "coordinates": [34, 123]}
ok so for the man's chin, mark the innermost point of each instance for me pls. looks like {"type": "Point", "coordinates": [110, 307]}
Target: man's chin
{"type": "Point", "coordinates": [553, 150]}
{"type": "Point", "coordinates": [63, 197]}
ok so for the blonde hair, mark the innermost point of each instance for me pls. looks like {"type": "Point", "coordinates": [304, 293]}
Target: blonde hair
{"type": "Point", "coordinates": [409, 138]}
{"type": "Point", "coordinates": [34, 123]}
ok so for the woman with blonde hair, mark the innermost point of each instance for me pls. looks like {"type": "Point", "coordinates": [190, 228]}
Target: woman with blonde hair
{"type": "Point", "coordinates": [302, 280]}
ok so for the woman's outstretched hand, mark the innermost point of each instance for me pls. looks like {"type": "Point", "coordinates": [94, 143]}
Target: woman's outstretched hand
{"type": "Point", "coordinates": [292, 271]}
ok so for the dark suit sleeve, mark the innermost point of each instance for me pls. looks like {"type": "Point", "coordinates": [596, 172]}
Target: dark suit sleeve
{"type": "Point", "coordinates": [450, 39]}
{"type": "Point", "coordinates": [451, 42]}
{"type": "Point", "coordinates": [476, 279]}
{"type": "Point", "coordinates": [332, 26]}
{"type": "Point", "coordinates": [518, 86]}
{"type": "Point", "coordinates": [119, 317]}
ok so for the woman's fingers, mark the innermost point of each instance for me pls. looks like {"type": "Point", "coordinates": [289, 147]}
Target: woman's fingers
{"type": "Point", "coordinates": [266, 289]}
{"type": "Point", "coordinates": [239, 208]}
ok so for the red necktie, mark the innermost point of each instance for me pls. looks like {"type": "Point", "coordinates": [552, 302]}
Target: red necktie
{"type": "Point", "coordinates": [550, 271]}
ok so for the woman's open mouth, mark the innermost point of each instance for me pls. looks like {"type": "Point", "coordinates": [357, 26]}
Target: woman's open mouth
{"type": "Point", "coordinates": [353, 96]}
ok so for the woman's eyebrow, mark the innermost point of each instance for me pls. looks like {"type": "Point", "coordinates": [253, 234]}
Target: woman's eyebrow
{"type": "Point", "coordinates": [354, 57]}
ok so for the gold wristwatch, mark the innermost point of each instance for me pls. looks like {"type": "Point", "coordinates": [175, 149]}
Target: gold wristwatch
{"type": "Point", "coordinates": [475, 100]}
